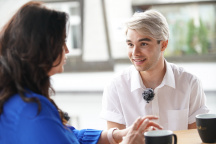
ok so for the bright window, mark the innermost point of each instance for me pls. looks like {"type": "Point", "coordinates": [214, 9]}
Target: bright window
{"type": "Point", "coordinates": [192, 28]}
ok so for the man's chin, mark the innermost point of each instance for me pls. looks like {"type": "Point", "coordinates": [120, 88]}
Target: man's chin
{"type": "Point", "coordinates": [140, 68]}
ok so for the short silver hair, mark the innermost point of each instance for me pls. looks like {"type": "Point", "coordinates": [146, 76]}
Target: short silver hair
{"type": "Point", "coordinates": [151, 23]}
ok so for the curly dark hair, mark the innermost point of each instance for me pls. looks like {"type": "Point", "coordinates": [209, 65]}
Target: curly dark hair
{"type": "Point", "coordinates": [29, 44]}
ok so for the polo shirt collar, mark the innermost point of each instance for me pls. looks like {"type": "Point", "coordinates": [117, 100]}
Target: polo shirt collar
{"type": "Point", "coordinates": [136, 81]}
{"type": "Point", "coordinates": [169, 78]}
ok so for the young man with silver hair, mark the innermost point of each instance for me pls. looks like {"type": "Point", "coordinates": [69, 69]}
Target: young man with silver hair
{"type": "Point", "coordinates": [152, 86]}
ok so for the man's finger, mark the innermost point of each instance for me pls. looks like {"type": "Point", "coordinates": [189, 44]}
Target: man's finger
{"type": "Point", "coordinates": [137, 123]}
{"type": "Point", "coordinates": [150, 117]}
{"type": "Point", "coordinates": [154, 125]}
{"type": "Point", "coordinates": [143, 125]}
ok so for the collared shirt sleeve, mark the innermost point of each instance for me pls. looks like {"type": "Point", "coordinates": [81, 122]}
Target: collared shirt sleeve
{"type": "Point", "coordinates": [197, 101]}
{"type": "Point", "coordinates": [111, 105]}
{"type": "Point", "coordinates": [86, 136]}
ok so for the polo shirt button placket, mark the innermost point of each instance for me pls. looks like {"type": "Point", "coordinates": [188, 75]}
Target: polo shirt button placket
{"type": "Point", "coordinates": [155, 106]}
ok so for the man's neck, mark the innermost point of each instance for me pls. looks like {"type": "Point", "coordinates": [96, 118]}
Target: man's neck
{"type": "Point", "coordinates": [153, 78]}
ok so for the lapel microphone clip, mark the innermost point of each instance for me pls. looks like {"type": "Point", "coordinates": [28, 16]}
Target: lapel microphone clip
{"type": "Point", "coordinates": [148, 94]}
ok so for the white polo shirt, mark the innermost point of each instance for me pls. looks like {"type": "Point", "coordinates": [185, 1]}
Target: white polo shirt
{"type": "Point", "coordinates": [178, 99]}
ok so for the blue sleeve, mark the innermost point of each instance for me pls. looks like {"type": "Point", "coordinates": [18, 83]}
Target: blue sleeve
{"type": "Point", "coordinates": [87, 136]}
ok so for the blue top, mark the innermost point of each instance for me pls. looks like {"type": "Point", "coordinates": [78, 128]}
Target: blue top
{"type": "Point", "coordinates": [19, 123]}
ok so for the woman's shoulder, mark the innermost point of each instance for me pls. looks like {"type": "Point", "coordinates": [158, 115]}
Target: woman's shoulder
{"type": "Point", "coordinates": [30, 124]}
{"type": "Point", "coordinates": [43, 108]}
{"type": "Point", "coordinates": [15, 107]}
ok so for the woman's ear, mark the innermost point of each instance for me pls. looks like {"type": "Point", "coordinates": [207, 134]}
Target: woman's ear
{"type": "Point", "coordinates": [164, 45]}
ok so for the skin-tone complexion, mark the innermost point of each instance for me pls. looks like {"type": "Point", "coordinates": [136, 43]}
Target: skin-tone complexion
{"type": "Point", "coordinates": [59, 67]}
{"type": "Point", "coordinates": [147, 56]}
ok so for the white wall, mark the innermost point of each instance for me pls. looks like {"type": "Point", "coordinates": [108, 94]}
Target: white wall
{"type": "Point", "coordinates": [118, 12]}
{"type": "Point", "coordinates": [94, 40]}
{"type": "Point", "coordinates": [95, 45]}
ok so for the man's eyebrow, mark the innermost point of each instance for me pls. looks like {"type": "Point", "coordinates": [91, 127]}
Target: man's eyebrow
{"type": "Point", "coordinates": [144, 39]}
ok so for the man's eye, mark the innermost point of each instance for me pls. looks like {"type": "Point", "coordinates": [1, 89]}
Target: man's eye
{"type": "Point", "coordinates": [129, 44]}
{"type": "Point", "coordinates": [143, 44]}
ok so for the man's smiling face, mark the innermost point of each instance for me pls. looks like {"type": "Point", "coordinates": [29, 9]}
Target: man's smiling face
{"type": "Point", "coordinates": [143, 51]}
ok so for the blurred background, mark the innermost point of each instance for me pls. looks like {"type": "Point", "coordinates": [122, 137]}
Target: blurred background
{"type": "Point", "coordinates": [96, 42]}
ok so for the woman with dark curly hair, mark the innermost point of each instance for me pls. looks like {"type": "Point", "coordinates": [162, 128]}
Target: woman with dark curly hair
{"type": "Point", "coordinates": [32, 48]}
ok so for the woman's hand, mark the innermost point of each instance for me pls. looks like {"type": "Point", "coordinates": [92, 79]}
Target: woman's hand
{"type": "Point", "coordinates": [135, 133]}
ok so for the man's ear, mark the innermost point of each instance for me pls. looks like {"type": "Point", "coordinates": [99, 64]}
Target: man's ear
{"type": "Point", "coordinates": [164, 45]}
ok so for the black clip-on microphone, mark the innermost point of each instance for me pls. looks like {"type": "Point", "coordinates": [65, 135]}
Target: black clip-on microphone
{"type": "Point", "coordinates": [148, 94]}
